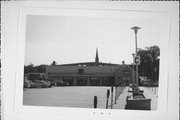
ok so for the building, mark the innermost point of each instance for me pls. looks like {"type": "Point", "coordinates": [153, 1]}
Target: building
{"type": "Point", "coordinates": [91, 73]}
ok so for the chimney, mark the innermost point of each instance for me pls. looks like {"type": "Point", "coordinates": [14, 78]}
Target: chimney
{"type": "Point", "coordinates": [123, 62]}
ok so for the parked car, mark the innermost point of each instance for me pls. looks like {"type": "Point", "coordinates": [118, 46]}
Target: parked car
{"type": "Point", "coordinates": [27, 85]}
{"type": "Point", "coordinates": [51, 82]}
{"type": "Point", "coordinates": [48, 82]}
{"type": "Point", "coordinates": [41, 84]}
{"type": "Point", "coordinates": [61, 83]}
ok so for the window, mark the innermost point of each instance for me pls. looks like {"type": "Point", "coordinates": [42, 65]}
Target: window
{"type": "Point", "coordinates": [126, 72]}
{"type": "Point", "coordinates": [80, 71]}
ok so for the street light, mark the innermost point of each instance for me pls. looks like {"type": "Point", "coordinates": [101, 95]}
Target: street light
{"type": "Point", "coordinates": [136, 28]}
{"type": "Point", "coordinates": [133, 82]}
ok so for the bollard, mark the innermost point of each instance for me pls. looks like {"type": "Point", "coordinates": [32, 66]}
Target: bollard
{"type": "Point", "coordinates": [119, 91]}
{"type": "Point", "coordinates": [155, 91]}
{"type": "Point", "coordinates": [115, 95]}
{"type": "Point", "coordinates": [111, 97]}
{"type": "Point", "coordinates": [108, 92]}
{"type": "Point", "coordinates": [95, 101]}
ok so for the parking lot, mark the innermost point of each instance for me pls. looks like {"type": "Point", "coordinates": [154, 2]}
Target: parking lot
{"type": "Point", "coordinates": [65, 96]}
{"type": "Point", "coordinates": [80, 97]}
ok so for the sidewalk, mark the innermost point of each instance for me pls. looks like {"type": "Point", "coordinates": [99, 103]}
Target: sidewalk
{"type": "Point", "coordinates": [151, 95]}
{"type": "Point", "coordinates": [121, 101]}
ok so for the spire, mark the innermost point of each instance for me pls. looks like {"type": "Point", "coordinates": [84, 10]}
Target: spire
{"type": "Point", "coordinates": [97, 58]}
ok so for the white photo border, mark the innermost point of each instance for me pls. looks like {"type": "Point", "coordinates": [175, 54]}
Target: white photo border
{"type": "Point", "coordinates": [164, 20]}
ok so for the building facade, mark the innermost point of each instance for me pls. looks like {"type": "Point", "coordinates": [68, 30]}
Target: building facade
{"type": "Point", "coordinates": [91, 73]}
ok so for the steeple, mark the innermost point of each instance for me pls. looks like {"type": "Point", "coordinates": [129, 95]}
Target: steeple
{"type": "Point", "coordinates": [97, 58]}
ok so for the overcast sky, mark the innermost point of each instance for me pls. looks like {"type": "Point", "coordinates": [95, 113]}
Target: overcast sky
{"type": "Point", "coordinates": [66, 39]}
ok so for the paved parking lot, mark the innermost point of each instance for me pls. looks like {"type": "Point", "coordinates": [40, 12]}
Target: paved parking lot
{"type": "Point", "coordinates": [81, 97]}
{"type": "Point", "coordinates": [65, 96]}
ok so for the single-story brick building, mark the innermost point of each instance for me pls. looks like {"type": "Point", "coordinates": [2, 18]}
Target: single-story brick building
{"type": "Point", "coordinates": [91, 73]}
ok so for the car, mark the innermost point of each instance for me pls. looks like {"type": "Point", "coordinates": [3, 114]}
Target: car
{"type": "Point", "coordinates": [41, 84]}
{"type": "Point", "coordinates": [47, 81]}
{"type": "Point", "coordinates": [27, 85]}
{"type": "Point", "coordinates": [61, 83]}
{"type": "Point", "coordinates": [51, 82]}
{"type": "Point", "coordinates": [65, 84]}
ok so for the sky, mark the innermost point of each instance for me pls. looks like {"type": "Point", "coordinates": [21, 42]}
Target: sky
{"type": "Point", "coordinates": [73, 39]}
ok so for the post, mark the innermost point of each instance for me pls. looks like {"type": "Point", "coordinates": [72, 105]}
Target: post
{"type": "Point", "coordinates": [100, 79]}
{"type": "Point", "coordinates": [74, 81]}
{"type": "Point", "coordinates": [111, 97]}
{"type": "Point", "coordinates": [88, 81]}
{"type": "Point", "coordinates": [108, 92]}
{"type": "Point", "coordinates": [116, 94]}
{"type": "Point", "coordinates": [95, 101]}
{"type": "Point", "coordinates": [137, 83]}
{"type": "Point", "coordinates": [134, 75]}
{"type": "Point", "coordinates": [135, 28]}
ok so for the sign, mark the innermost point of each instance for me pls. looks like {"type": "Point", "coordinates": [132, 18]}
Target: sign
{"type": "Point", "coordinates": [137, 60]}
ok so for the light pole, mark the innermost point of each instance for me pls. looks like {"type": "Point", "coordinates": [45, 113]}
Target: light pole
{"type": "Point", "coordinates": [135, 28]}
{"type": "Point", "coordinates": [133, 82]}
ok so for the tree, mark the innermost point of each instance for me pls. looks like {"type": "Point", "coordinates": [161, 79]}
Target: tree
{"type": "Point", "coordinates": [29, 68]}
{"type": "Point", "coordinates": [149, 65]}
{"type": "Point", "coordinates": [40, 68]}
